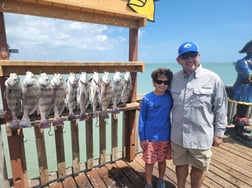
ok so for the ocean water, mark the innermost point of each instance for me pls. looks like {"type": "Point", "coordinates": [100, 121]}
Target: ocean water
{"type": "Point", "coordinates": [226, 71]}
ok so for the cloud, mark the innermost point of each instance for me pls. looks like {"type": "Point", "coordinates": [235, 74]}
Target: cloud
{"type": "Point", "coordinates": [52, 38]}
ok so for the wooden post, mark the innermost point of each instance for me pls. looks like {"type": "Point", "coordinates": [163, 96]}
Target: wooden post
{"type": "Point", "coordinates": [3, 173]}
{"type": "Point", "coordinates": [89, 143]}
{"type": "Point", "coordinates": [41, 151]}
{"type": "Point", "coordinates": [114, 135]}
{"type": "Point", "coordinates": [75, 147]}
{"type": "Point", "coordinates": [130, 116]}
{"type": "Point", "coordinates": [102, 128]}
{"type": "Point", "coordinates": [15, 138]}
{"type": "Point", "coordinates": [60, 152]}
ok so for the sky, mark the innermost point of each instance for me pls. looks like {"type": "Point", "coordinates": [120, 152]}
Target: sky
{"type": "Point", "coordinates": [220, 28]}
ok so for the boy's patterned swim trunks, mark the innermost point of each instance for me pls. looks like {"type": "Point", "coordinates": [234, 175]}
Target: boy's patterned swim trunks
{"type": "Point", "coordinates": [156, 151]}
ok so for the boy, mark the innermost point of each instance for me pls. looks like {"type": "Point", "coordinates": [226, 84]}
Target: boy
{"type": "Point", "coordinates": [154, 125]}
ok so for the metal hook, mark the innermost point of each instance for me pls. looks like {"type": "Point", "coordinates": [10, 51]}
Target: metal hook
{"type": "Point", "coordinates": [66, 16]}
{"type": "Point", "coordinates": [37, 8]}
{"type": "Point", "coordinates": [105, 20]}
{"type": "Point", "coordinates": [4, 5]}
{"type": "Point", "coordinates": [82, 17]}
{"type": "Point", "coordinates": [126, 23]}
{"type": "Point", "coordinates": [94, 17]}
{"type": "Point", "coordinates": [19, 6]}
{"type": "Point", "coordinates": [53, 10]}
{"type": "Point", "coordinates": [114, 20]}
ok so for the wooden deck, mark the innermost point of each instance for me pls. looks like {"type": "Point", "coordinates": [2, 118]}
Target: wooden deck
{"type": "Point", "coordinates": [231, 166]}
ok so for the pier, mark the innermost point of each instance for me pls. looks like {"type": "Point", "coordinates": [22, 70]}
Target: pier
{"type": "Point", "coordinates": [121, 164]}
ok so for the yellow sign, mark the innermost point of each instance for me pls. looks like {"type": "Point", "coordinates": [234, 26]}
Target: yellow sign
{"type": "Point", "coordinates": [145, 7]}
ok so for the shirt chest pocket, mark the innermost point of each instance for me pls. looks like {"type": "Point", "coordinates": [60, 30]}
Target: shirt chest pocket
{"type": "Point", "coordinates": [201, 97]}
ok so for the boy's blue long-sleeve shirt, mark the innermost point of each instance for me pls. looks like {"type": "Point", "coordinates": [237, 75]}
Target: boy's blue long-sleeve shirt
{"type": "Point", "coordinates": [154, 120]}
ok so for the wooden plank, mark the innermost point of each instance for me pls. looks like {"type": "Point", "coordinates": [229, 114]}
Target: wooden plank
{"type": "Point", "coordinates": [130, 123]}
{"type": "Point", "coordinates": [130, 174]}
{"type": "Point", "coordinates": [41, 152]}
{"type": "Point", "coordinates": [241, 153]}
{"type": "Point", "coordinates": [59, 141]}
{"type": "Point", "coordinates": [118, 175]}
{"type": "Point", "coordinates": [234, 163]}
{"type": "Point", "coordinates": [114, 133]}
{"type": "Point", "coordinates": [17, 157]}
{"type": "Point", "coordinates": [82, 181]}
{"type": "Point", "coordinates": [69, 182]}
{"type": "Point", "coordinates": [102, 129]}
{"type": "Point", "coordinates": [230, 157]}
{"type": "Point", "coordinates": [89, 143]}
{"type": "Point", "coordinates": [3, 55]}
{"type": "Point", "coordinates": [105, 176]}
{"type": "Point", "coordinates": [95, 179]}
{"type": "Point", "coordinates": [84, 12]}
{"type": "Point", "coordinates": [51, 67]}
{"type": "Point", "coordinates": [230, 181]}
{"type": "Point", "coordinates": [240, 177]}
{"type": "Point", "coordinates": [236, 147]}
{"type": "Point", "coordinates": [75, 147]}
{"type": "Point", "coordinates": [170, 169]}
{"type": "Point", "coordinates": [130, 117]}
{"type": "Point", "coordinates": [3, 170]}
{"type": "Point", "coordinates": [56, 185]}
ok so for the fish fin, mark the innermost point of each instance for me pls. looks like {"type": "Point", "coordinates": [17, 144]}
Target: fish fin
{"type": "Point", "coordinates": [14, 124]}
{"type": "Point", "coordinates": [95, 114]}
{"type": "Point", "coordinates": [105, 115]}
{"type": "Point", "coordinates": [44, 124]}
{"type": "Point", "coordinates": [58, 122]}
{"type": "Point", "coordinates": [84, 117]}
{"type": "Point", "coordinates": [25, 123]}
{"type": "Point", "coordinates": [72, 117]}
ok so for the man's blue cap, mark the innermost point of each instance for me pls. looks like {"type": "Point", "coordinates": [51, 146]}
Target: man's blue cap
{"type": "Point", "coordinates": [187, 47]}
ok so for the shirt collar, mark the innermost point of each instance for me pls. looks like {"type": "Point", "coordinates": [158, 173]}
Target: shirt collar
{"type": "Point", "coordinates": [194, 74]}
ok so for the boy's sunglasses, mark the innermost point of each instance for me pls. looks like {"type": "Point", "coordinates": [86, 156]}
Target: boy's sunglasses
{"type": "Point", "coordinates": [165, 82]}
{"type": "Point", "coordinates": [187, 55]}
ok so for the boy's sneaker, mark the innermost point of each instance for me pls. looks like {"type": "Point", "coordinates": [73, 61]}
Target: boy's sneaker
{"type": "Point", "coordinates": [148, 186]}
{"type": "Point", "coordinates": [160, 184]}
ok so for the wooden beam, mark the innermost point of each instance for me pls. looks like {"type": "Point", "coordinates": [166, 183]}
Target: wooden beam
{"type": "Point", "coordinates": [75, 147]}
{"type": "Point", "coordinates": [84, 11]}
{"type": "Point", "coordinates": [51, 67]}
{"type": "Point", "coordinates": [130, 121]}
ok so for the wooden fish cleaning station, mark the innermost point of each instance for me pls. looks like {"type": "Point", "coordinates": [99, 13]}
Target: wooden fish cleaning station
{"type": "Point", "coordinates": [107, 12]}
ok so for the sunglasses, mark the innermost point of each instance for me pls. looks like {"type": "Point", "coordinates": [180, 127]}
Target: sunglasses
{"type": "Point", "coordinates": [165, 82]}
{"type": "Point", "coordinates": [186, 56]}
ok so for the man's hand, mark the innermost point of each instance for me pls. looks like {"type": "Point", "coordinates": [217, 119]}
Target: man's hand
{"type": "Point", "coordinates": [217, 141]}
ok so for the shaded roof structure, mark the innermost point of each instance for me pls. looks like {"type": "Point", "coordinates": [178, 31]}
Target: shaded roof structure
{"type": "Point", "coordinates": [108, 12]}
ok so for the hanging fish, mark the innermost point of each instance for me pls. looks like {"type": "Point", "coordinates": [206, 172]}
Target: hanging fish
{"type": "Point", "coordinates": [116, 91]}
{"type": "Point", "coordinates": [94, 92]}
{"type": "Point", "coordinates": [71, 95]}
{"type": "Point", "coordinates": [127, 88]}
{"type": "Point", "coordinates": [13, 94]}
{"type": "Point", "coordinates": [105, 94]}
{"type": "Point", "coordinates": [30, 95]}
{"type": "Point", "coordinates": [83, 91]}
{"type": "Point", "coordinates": [59, 94]}
{"type": "Point", "coordinates": [45, 100]}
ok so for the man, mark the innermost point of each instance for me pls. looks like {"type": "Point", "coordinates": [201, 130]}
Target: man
{"type": "Point", "coordinates": [241, 93]}
{"type": "Point", "coordinates": [199, 115]}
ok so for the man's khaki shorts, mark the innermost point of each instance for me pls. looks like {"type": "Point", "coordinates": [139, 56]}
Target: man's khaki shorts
{"type": "Point", "coordinates": [195, 157]}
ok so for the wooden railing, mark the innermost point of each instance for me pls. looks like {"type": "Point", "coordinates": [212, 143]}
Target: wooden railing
{"type": "Point", "coordinates": [125, 121]}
